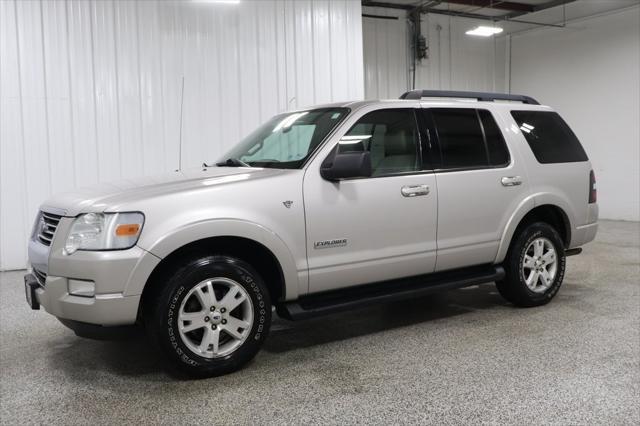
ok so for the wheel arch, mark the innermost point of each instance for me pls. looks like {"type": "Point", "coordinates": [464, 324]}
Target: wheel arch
{"type": "Point", "coordinates": [253, 243]}
{"type": "Point", "coordinates": [552, 214]}
{"type": "Point", "coordinates": [252, 252]}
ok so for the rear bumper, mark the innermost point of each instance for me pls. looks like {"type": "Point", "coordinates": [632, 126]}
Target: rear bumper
{"type": "Point", "coordinates": [584, 234]}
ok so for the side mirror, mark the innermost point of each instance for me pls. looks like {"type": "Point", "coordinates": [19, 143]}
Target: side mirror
{"type": "Point", "coordinates": [344, 165]}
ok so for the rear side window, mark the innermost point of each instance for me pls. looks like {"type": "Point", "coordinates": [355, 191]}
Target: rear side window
{"type": "Point", "coordinates": [460, 138]}
{"type": "Point", "coordinates": [549, 137]}
{"type": "Point", "coordinates": [469, 138]}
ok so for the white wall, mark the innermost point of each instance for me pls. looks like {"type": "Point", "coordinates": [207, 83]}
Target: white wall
{"type": "Point", "coordinates": [590, 73]}
{"type": "Point", "coordinates": [90, 90]}
{"type": "Point", "coordinates": [386, 54]}
{"type": "Point", "coordinates": [455, 61]}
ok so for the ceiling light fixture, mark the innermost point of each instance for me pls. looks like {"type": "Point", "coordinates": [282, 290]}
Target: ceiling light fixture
{"type": "Point", "coordinates": [483, 31]}
{"type": "Point", "coordinates": [217, 1]}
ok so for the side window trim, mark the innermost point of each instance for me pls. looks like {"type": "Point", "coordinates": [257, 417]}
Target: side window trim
{"type": "Point", "coordinates": [435, 155]}
{"type": "Point", "coordinates": [486, 143]}
{"type": "Point", "coordinates": [484, 137]}
{"type": "Point", "coordinates": [435, 147]}
{"type": "Point", "coordinates": [426, 145]}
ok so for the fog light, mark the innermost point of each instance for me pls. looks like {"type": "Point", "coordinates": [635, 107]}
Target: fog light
{"type": "Point", "coordinates": [82, 288]}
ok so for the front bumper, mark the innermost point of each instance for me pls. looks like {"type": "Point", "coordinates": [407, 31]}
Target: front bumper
{"type": "Point", "coordinates": [117, 276]}
{"type": "Point", "coordinates": [102, 309]}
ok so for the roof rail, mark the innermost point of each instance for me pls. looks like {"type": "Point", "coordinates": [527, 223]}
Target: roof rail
{"type": "Point", "coordinates": [480, 96]}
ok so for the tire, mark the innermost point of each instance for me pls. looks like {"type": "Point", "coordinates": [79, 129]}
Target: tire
{"type": "Point", "coordinates": [519, 286]}
{"type": "Point", "coordinates": [184, 322]}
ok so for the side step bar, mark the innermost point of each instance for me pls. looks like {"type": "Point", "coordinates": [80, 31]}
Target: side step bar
{"type": "Point", "coordinates": [388, 291]}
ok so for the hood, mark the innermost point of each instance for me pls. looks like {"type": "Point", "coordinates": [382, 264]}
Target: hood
{"type": "Point", "coordinates": [102, 197]}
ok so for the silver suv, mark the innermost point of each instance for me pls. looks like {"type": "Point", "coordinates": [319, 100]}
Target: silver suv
{"type": "Point", "coordinates": [321, 210]}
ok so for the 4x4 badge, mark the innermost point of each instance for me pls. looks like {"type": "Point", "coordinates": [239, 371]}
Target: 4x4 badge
{"type": "Point", "coordinates": [288, 203]}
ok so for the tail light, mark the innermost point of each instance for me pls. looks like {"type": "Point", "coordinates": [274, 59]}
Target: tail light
{"type": "Point", "coordinates": [593, 192]}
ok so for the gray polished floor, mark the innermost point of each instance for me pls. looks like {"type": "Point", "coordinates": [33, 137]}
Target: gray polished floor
{"type": "Point", "coordinates": [456, 358]}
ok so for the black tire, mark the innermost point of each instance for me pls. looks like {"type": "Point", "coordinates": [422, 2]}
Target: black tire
{"type": "Point", "coordinates": [161, 315]}
{"type": "Point", "coordinates": [514, 287]}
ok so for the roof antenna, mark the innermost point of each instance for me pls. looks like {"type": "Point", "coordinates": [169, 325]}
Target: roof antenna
{"type": "Point", "coordinates": [180, 140]}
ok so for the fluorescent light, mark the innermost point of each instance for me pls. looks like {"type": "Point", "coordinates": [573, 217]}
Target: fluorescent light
{"type": "Point", "coordinates": [353, 139]}
{"type": "Point", "coordinates": [526, 127]}
{"type": "Point", "coordinates": [483, 31]}
{"type": "Point", "coordinates": [288, 121]}
{"type": "Point", "coordinates": [217, 1]}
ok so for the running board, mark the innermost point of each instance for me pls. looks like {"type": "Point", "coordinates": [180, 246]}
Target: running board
{"type": "Point", "coordinates": [388, 291]}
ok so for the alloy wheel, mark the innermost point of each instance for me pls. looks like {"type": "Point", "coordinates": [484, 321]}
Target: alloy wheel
{"type": "Point", "coordinates": [215, 317]}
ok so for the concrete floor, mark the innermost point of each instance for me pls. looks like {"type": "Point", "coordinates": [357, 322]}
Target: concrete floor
{"type": "Point", "coordinates": [460, 357]}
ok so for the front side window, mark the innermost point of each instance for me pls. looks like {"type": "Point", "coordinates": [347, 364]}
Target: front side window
{"type": "Point", "coordinates": [390, 135]}
{"type": "Point", "coordinates": [287, 140]}
{"type": "Point", "coordinates": [549, 137]}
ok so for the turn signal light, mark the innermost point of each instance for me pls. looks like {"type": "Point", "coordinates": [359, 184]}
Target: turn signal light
{"type": "Point", "coordinates": [127, 229]}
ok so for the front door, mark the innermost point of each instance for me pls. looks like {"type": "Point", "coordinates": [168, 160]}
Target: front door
{"type": "Point", "coordinates": [379, 228]}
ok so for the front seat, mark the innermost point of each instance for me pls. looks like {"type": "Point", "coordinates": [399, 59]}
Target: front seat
{"type": "Point", "coordinates": [399, 153]}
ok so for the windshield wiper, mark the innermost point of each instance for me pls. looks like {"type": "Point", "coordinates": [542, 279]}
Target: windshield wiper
{"type": "Point", "coordinates": [232, 162]}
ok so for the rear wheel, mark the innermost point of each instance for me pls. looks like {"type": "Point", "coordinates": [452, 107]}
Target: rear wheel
{"type": "Point", "coordinates": [534, 266]}
{"type": "Point", "coordinates": [211, 316]}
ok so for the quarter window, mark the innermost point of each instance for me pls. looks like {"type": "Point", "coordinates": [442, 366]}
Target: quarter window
{"type": "Point", "coordinates": [496, 146]}
{"type": "Point", "coordinates": [390, 135]}
{"type": "Point", "coordinates": [549, 137]}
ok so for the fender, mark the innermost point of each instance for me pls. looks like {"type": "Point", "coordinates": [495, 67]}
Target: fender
{"type": "Point", "coordinates": [528, 204]}
{"type": "Point", "coordinates": [195, 231]}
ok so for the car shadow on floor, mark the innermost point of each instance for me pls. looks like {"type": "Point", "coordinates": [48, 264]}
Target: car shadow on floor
{"type": "Point", "coordinates": [83, 359]}
{"type": "Point", "coordinates": [287, 335]}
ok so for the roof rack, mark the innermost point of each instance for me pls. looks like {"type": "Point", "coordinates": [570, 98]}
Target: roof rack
{"type": "Point", "coordinates": [480, 96]}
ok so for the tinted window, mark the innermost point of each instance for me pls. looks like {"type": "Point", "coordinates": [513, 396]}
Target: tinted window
{"type": "Point", "coordinates": [391, 135]}
{"type": "Point", "coordinates": [460, 138]}
{"type": "Point", "coordinates": [549, 137]}
{"type": "Point", "coordinates": [496, 146]}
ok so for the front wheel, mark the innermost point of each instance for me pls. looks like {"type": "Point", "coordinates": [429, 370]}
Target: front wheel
{"type": "Point", "coordinates": [534, 266]}
{"type": "Point", "coordinates": [211, 316]}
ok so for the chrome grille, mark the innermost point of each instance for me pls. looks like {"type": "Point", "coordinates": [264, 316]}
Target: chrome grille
{"type": "Point", "coordinates": [47, 227]}
{"type": "Point", "coordinates": [40, 276]}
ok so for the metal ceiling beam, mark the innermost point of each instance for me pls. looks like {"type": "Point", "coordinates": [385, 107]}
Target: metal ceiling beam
{"type": "Point", "coordinates": [484, 17]}
{"type": "Point", "coordinates": [543, 6]}
{"type": "Point", "coordinates": [510, 17]}
{"type": "Point", "coordinates": [495, 4]}
{"type": "Point", "coordinates": [386, 5]}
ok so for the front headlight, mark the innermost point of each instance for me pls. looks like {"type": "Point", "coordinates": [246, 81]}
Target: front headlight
{"type": "Point", "coordinates": [104, 231]}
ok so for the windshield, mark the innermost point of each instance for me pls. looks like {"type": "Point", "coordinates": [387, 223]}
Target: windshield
{"type": "Point", "coordinates": [287, 140]}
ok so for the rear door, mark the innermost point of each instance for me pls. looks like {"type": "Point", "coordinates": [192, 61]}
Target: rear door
{"type": "Point", "coordinates": [372, 229]}
{"type": "Point", "coordinates": [480, 184]}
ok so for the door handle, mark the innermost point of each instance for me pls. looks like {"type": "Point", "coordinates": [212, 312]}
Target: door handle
{"type": "Point", "coordinates": [511, 181]}
{"type": "Point", "coordinates": [414, 190]}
